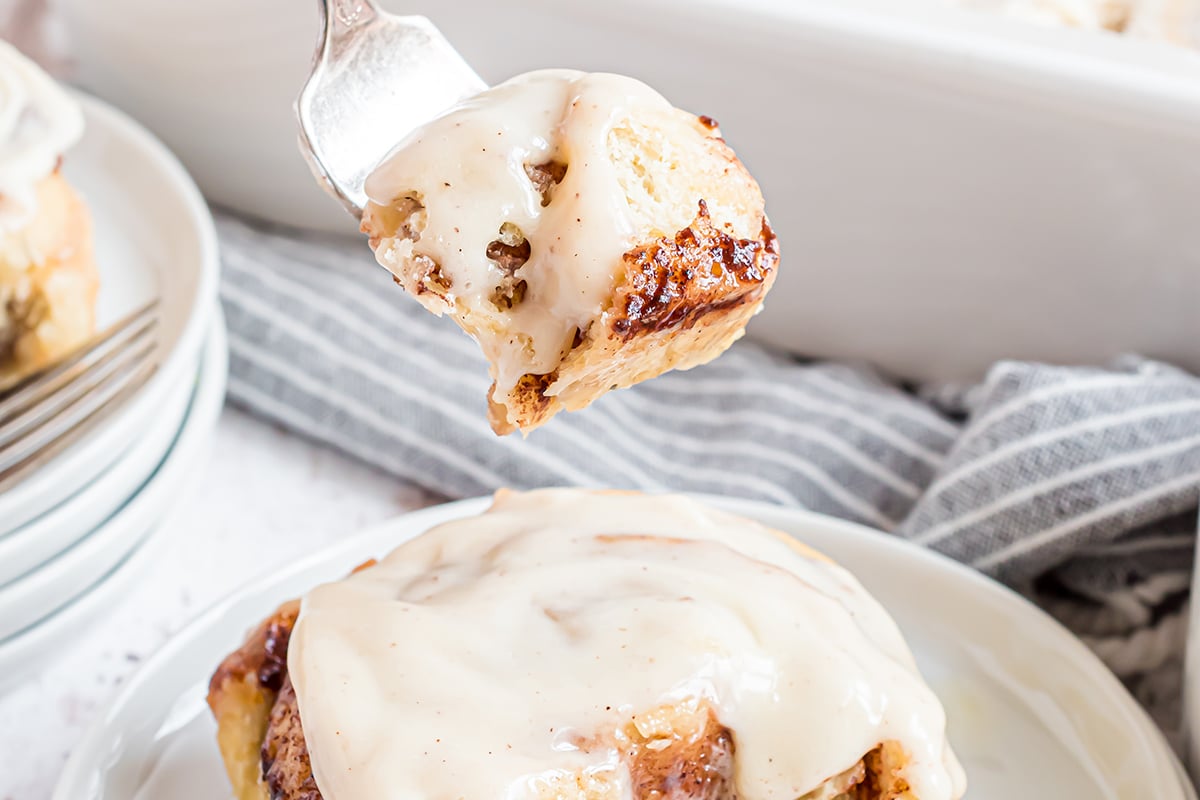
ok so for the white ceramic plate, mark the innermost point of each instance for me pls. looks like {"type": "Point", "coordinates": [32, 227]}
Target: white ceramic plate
{"type": "Point", "coordinates": [45, 537]}
{"type": "Point", "coordinates": [154, 235]}
{"type": "Point", "coordinates": [125, 535]}
{"type": "Point", "coordinates": [1033, 713]}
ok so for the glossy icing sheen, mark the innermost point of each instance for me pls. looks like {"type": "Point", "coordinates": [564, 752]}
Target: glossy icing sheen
{"type": "Point", "coordinates": [38, 121]}
{"type": "Point", "coordinates": [468, 168]}
{"type": "Point", "coordinates": [470, 661]}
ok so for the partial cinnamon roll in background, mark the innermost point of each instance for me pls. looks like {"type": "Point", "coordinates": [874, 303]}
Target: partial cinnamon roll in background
{"type": "Point", "coordinates": [590, 645]}
{"type": "Point", "coordinates": [1174, 21]}
{"type": "Point", "coordinates": [584, 231]}
{"type": "Point", "coordinates": [48, 277]}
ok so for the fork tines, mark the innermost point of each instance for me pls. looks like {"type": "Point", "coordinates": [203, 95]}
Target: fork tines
{"type": "Point", "coordinates": [44, 412]}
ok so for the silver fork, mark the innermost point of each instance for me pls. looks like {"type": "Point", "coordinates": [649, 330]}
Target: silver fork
{"type": "Point", "coordinates": [375, 78]}
{"type": "Point", "coordinates": [45, 412]}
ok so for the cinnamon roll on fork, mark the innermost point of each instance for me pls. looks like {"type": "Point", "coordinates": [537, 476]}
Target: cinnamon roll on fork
{"type": "Point", "coordinates": [583, 231]}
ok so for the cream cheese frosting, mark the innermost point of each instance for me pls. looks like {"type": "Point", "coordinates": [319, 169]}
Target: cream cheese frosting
{"type": "Point", "coordinates": [39, 120]}
{"type": "Point", "coordinates": [472, 661]}
{"type": "Point", "coordinates": [488, 143]}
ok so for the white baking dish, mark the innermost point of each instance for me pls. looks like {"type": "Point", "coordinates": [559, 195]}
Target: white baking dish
{"type": "Point", "coordinates": [950, 188]}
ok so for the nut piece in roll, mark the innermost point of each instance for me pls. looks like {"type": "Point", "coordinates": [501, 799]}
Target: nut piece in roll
{"type": "Point", "coordinates": [575, 645]}
{"type": "Point", "coordinates": [585, 232]}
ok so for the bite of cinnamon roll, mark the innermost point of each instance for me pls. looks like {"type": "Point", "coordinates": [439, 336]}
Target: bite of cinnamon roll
{"type": "Point", "coordinates": [584, 231]}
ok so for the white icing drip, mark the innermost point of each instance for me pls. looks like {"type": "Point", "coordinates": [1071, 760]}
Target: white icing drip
{"type": "Point", "coordinates": [468, 166]}
{"type": "Point", "coordinates": [465, 663]}
{"type": "Point", "coordinates": [38, 121]}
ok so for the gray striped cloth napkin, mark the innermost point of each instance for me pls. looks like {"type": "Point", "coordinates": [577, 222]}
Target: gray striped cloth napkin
{"type": "Point", "coordinates": [1078, 486]}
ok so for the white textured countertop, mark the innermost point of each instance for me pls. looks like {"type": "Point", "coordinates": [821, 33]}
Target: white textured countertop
{"type": "Point", "coordinates": [263, 499]}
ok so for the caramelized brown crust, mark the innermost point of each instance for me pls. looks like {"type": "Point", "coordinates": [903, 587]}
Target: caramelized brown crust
{"type": "Point", "coordinates": [258, 721]}
{"type": "Point", "coordinates": [677, 282]}
{"type": "Point", "coordinates": [286, 769]}
{"type": "Point", "coordinates": [262, 659]}
{"type": "Point", "coordinates": [242, 693]}
{"type": "Point", "coordinates": [680, 301]}
{"type": "Point", "coordinates": [528, 400]}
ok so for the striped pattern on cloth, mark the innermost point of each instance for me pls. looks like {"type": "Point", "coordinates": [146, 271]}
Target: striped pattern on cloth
{"type": "Point", "coordinates": [1077, 485]}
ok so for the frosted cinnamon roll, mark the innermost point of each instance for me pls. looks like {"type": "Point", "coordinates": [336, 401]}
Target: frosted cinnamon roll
{"type": "Point", "coordinates": [585, 232]}
{"type": "Point", "coordinates": [48, 277]}
{"type": "Point", "coordinates": [1174, 21]}
{"type": "Point", "coordinates": [574, 644]}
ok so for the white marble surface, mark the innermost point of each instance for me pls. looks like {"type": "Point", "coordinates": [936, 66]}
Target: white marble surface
{"type": "Point", "coordinates": [263, 498]}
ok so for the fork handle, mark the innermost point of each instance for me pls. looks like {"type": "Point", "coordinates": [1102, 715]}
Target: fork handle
{"type": "Point", "coordinates": [346, 13]}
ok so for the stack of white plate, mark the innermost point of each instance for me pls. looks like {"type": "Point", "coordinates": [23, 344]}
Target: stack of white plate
{"type": "Point", "coordinates": [74, 533]}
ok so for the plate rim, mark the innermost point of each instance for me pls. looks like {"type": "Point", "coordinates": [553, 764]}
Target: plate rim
{"type": "Point", "coordinates": [190, 341]}
{"type": "Point", "coordinates": [1005, 594]}
{"type": "Point", "coordinates": [208, 399]}
{"type": "Point", "coordinates": [109, 541]}
{"type": "Point", "coordinates": [60, 516]}
{"type": "Point", "coordinates": [87, 753]}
